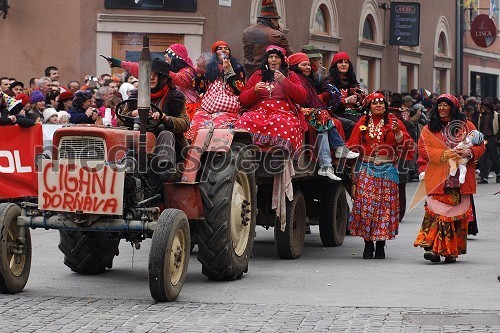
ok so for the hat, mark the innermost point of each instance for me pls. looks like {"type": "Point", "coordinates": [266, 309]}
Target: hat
{"type": "Point", "coordinates": [181, 51]}
{"type": "Point", "coordinates": [65, 96]}
{"type": "Point", "coordinates": [340, 56]}
{"type": "Point", "coordinates": [81, 96]}
{"type": "Point", "coordinates": [452, 99]}
{"type": "Point", "coordinates": [16, 83]}
{"type": "Point", "coordinates": [373, 96]}
{"type": "Point", "coordinates": [488, 101]}
{"type": "Point", "coordinates": [62, 114]}
{"type": "Point", "coordinates": [13, 105]}
{"type": "Point", "coordinates": [49, 112]}
{"type": "Point", "coordinates": [312, 51]}
{"type": "Point", "coordinates": [396, 97]}
{"type": "Point", "coordinates": [269, 10]}
{"type": "Point", "coordinates": [23, 98]}
{"type": "Point", "coordinates": [408, 98]}
{"type": "Point", "coordinates": [275, 48]}
{"type": "Point", "coordinates": [36, 96]}
{"type": "Point", "coordinates": [160, 66]}
{"type": "Point", "coordinates": [117, 78]}
{"type": "Point", "coordinates": [297, 58]}
{"type": "Point", "coordinates": [217, 44]}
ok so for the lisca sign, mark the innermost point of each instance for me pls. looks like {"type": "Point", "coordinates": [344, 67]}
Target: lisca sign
{"type": "Point", "coordinates": [405, 23]}
{"type": "Point", "coordinates": [483, 31]}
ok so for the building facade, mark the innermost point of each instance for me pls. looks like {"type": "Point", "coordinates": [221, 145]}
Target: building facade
{"type": "Point", "coordinates": [481, 65]}
{"type": "Point", "coordinates": [72, 34]}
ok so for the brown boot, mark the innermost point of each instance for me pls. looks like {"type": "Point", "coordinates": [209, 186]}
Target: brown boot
{"type": "Point", "coordinates": [379, 252]}
{"type": "Point", "coordinates": [369, 249]}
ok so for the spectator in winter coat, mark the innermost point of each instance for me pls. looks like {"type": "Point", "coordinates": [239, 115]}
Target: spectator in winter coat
{"type": "Point", "coordinates": [83, 110]}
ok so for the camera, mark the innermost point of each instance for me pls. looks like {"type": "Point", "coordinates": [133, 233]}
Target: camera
{"type": "Point", "coordinates": [93, 78]}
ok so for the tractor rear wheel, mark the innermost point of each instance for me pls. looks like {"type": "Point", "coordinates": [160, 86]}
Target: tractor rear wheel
{"type": "Point", "coordinates": [169, 255]}
{"type": "Point", "coordinates": [333, 215]}
{"type": "Point", "coordinates": [88, 252]}
{"type": "Point", "coordinates": [289, 243]}
{"type": "Point", "coordinates": [225, 237]}
{"type": "Point", "coordinates": [15, 250]}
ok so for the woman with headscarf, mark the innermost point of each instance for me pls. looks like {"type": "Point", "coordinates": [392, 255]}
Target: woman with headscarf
{"type": "Point", "coordinates": [380, 138]}
{"type": "Point", "coordinates": [327, 136]}
{"type": "Point", "coordinates": [182, 73]}
{"type": "Point", "coordinates": [448, 207]}
{"type": "Point", "coordinates": [225, 79]}
{"type": "Point", "coordinates": [341, 75]}
{"type": "Point", "coordinates": [270, 96]}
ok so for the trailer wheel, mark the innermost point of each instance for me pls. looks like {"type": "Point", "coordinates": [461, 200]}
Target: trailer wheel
{"type": "Point", "coordinates": [169, 255]}
{"type": "Point", "coordinates": [225, 237]}
{"type": "Point", "coordinates": [333, 215]}
{"type": "Point", "coordinates": [88, 252]}
{"type": "Point", "coordinates": [289, 243]}
{"type": "Point", "coordinates": [15, 250]}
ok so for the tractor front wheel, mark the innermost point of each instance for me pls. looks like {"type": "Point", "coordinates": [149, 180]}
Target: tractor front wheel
{"type": "Point", "coordinates": [15, 250]}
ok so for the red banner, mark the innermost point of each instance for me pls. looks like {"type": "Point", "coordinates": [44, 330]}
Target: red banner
{"type": "Point", "coordinates": [17, 161]}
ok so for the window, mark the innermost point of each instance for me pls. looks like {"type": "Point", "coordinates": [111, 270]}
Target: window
{"type": "Point", "coordinates": [367, 73]}
{"type": "Point", "coordinates": [440, 85]}
{"type": "Point", "coordinates": [321, 21]}
{"type": "Point", "coordinates": [407, 74]}
{"type": "Point", "coordinates": [368, 30]}
{"type": "Point", "coordinates": [442, 45]}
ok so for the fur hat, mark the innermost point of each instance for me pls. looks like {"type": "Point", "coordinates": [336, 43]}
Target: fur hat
{"type": "Point", "coordinates": [269, 10]}
{"type": "Point", "coordinates": [13, 105]}
{"type": "Point", "coordinates": [312, 51]}
{"type": "Point", "coordinates": [81, 96]}
{"type": "Point", "coordinates": [340, 56]}
{"type": "Point", "coordinates": [36, 96]}
{"type": "Point", "coordinates": [48, 113]}
{"type": "Point", "coordinates": [297, 58]}
{"type": "Point", "coordinates": [63, 114]}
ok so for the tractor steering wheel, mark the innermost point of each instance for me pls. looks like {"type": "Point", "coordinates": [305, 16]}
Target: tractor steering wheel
{"type": "Point", "coordinates": [129, 121]}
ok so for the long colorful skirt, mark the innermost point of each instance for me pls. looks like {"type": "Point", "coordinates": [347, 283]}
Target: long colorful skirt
{"type": "Point", "coordinates": [203, 119]}
{"type": "Point", "coordinates": [444, 228]}
{"type": "Point", "coordinates": [273, 124]}
{"type": "Point", "coordinates": [375, 212]}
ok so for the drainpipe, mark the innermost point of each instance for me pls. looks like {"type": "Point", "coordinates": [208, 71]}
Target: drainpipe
{"type": "Point", "coordinates": [459, 48]}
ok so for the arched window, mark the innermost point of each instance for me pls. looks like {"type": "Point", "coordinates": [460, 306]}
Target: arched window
{"type": "Point", "coordinates": [368, 29]}
{"type": "Point", "coordinates": [442, 45]}
{"type": "Point", "coordinates": [321, 21]}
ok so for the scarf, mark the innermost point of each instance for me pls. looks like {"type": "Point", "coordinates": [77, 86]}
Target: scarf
{"type": "Point", "coordinates": [162, 92]}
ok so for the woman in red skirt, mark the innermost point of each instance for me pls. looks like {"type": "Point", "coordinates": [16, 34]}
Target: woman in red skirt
{"type": "Point", "coordinates": [271, 95]}
{"type": "Point", "coordinates": [378, 137]}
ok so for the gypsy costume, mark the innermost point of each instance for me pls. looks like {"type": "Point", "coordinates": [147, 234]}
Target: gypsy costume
{"type": "Point", "coordinates": [273, 118]}
{"type": "Point", "coordinates": [448, 207]}
{"type": "Point", "coordinates": [375, 212]}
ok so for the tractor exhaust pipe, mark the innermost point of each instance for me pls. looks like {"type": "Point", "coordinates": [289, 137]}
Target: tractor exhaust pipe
{"type": "Point", "coordinates": [144, 99]}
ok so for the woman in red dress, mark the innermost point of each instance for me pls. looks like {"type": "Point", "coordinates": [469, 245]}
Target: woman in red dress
{"type": "Point", "coordinates": [378, 137]}
{"type": "Point", "coordinates": [270, 96]}
{"type": "Point", "coordinates": [224, 79]}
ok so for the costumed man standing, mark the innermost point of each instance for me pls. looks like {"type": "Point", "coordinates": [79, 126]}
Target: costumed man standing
{"type": "Point", "coordinates": [258, 37]}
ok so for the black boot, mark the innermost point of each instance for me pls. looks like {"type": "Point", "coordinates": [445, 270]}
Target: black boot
{"type": "Point", "coordinates": [379, 252]}
{"type": "Point", "coordinates": [369, 249]}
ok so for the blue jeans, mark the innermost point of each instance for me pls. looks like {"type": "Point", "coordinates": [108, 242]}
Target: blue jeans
{"type": "Point", "coordinates": [328, 140]}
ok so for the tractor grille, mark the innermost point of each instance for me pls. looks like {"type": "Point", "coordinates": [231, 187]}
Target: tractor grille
{"type": "Point", "coordinates": [82, 148]}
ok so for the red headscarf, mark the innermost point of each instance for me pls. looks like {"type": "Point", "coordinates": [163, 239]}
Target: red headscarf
{"type": "Point", "coordinates": [340, 56]}
{"type": "Point", "coordinates": [373, 96]}
{"type": "Point", "coordinates": [451, 98]}
{"type": "Point", "coordinates": [297, 58]}
{"type": "Point", "coordinates": [217, 44]}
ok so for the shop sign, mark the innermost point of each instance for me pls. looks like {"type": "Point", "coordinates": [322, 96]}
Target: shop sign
{"type": "Point", "coordinates": [405, 23]}
{"type": "Point", "coordinates": [483, 31]}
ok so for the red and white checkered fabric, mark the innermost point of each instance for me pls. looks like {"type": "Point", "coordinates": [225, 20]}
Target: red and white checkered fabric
{"type": "Point", "coordinates": [220, 98]}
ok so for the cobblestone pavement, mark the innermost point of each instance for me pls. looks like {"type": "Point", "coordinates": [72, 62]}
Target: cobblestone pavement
{"type": "Point", "coordinates": [63, 314]}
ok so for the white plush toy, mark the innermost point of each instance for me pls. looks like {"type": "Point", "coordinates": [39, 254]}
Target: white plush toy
{"type": "Point", "coordinates": [474, 138]}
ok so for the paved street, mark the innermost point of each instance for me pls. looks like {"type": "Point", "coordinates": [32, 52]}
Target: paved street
{"type": "Point", "coordinates": [326, 290]}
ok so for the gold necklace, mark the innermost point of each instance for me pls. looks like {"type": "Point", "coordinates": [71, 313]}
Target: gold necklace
{"type": "Point", "coordinates": [270, 87]}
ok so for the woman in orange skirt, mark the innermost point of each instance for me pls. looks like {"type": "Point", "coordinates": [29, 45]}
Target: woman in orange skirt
{"type": "Point", "coordinates": [448, 206]}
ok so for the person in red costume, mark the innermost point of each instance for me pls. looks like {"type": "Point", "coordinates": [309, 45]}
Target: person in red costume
{"type": "Point", "coordinates": [379, 137]}
{"type": "Point", "coordinates": [449, 206]}
{"type": "Point", "coordinates": [270, 96]}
